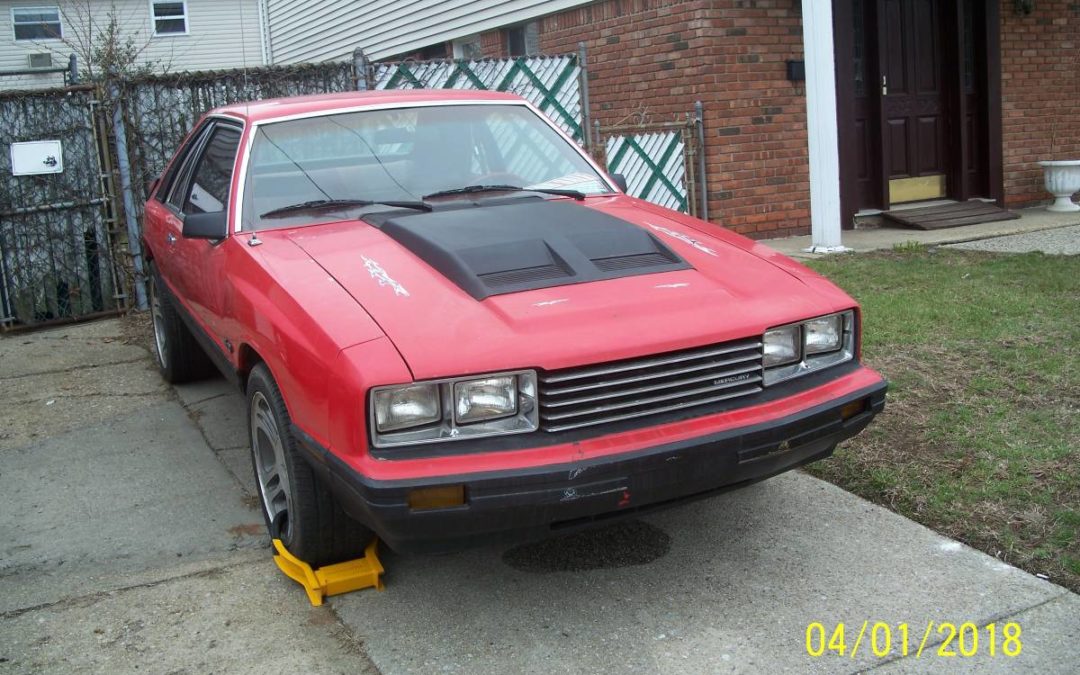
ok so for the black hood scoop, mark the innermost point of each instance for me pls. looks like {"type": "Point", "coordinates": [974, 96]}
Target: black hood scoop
{"type": "Point", "coordinates": [528, 244]}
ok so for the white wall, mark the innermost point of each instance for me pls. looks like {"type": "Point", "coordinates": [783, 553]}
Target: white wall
{"type": "Point", "coordinates": [221, 34]}
{"type": "Point", "coordinates": [324, 30]}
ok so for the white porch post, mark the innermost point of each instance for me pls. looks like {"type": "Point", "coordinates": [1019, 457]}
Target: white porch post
{"type": "Point", "coordinates": [821, 127]}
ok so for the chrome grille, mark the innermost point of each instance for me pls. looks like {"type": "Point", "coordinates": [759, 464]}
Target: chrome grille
{"type": "Point", "coordinates": [622, 390]}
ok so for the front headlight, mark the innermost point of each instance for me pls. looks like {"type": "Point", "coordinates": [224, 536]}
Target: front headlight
{"type": "Point", "coordinates": [824, 334]}
{"type": "Point", "coordinates": [454, 409]}
{"type": "Point", "coordinates": [782, 345]}
{"type": "Point", "coordinates": [808, 346]}
{"type": "Point", "coordinates": [405, 407]}
{"type": "Point", "coordinates": [485, 399]}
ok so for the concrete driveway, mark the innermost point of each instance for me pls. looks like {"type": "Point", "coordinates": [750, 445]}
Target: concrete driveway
{"type": "Point", "coordinates": [130, 542]}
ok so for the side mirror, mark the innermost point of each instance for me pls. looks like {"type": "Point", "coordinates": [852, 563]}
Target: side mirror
{"type": "Point", "coordinates": [620, 181]}
{"type": "Point", "coordinates": [211, 225]}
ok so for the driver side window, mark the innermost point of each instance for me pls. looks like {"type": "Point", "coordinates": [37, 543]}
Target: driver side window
{"type": "Point", "coordinates": [208, 190]}
{"type": "Point", "coordinates": [172, 185]}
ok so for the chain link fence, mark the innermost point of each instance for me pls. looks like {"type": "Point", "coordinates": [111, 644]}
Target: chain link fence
{"type": "Point", "coordinates": [160, 111]}
{"type": "Point", "coordinates": [65, 252]}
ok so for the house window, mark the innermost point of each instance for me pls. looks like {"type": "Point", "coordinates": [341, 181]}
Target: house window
{"type": "Point", "coordinates": [523, 40]}
{"type": "Point", "coordinates": [170, 18]}
{"type": "Point", "coordinates": [468, 48]}
{"type": "Point", "coordinates": [36, 23]}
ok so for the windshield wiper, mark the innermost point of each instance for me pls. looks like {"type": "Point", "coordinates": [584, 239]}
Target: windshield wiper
{"type": "Point", "coordinates": [320, 204]}
{"type": "Point", "coordinates": [468, 189]}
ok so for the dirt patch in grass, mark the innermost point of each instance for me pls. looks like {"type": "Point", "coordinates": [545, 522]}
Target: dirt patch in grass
{"type": "Point", "coordinates": [980, 438]}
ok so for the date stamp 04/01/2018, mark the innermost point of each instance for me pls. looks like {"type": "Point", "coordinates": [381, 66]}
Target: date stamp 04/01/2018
{"type": "Point", "coordinates": [937, 639]}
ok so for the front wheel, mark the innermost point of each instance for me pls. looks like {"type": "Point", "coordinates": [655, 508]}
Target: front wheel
{"type": "Point", "coordinates": [298, 509]}
{"type": "Point", "coordinates": [179, 356]}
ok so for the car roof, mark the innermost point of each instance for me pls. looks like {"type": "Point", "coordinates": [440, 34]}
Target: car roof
{"type": "Point", "coordinates": [274, 108]}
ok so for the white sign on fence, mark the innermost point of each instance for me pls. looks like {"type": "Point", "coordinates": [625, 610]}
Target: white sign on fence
{"type": "Point", "coordinates": [35, 157]}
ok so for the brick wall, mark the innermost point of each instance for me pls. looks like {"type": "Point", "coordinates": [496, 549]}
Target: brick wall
{"type": "Point", "coordinates": [493, 44]}
{"type": "Point", "coordinates": [654, 58]}
{"type": "Point", "coordinates": [1040, 91]}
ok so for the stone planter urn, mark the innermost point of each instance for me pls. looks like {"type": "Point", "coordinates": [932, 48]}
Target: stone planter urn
{"type": "Point", "coordinates": [1062, 179]}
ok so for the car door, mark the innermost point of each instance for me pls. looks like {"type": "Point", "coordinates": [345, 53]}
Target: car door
{"type": "Point", "coordinates": [162, 222]}
{"type": "Point", "coordinates": [207, 189]}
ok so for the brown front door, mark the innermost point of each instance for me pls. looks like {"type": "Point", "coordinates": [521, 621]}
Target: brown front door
{"type": "Point", "coordinates": [918, 101]}
{"type": "Point", "coordinates": [912, 99]}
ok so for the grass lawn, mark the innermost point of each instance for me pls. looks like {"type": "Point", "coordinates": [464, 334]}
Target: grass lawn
{"type": "Point", "coordinates": [980, 438]}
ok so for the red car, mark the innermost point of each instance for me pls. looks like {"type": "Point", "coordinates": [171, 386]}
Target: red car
{"type": "Point", "coordinates": [452, 325]}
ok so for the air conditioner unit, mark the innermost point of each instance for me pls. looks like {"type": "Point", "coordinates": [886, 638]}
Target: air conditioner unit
{"type": "Point", "coordinates": [40, 60]}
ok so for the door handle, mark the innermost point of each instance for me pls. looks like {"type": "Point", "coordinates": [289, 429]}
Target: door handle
{"type": "Point", "coordinates": [170, 237]}
{"type": "Point", "coordinates": [884, 85]}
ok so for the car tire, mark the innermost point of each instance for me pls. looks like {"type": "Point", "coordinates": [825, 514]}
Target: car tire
{"type": "Point", "coordinates": [180, 358]}
{"type": "Point", "coordinates": [297, 507]}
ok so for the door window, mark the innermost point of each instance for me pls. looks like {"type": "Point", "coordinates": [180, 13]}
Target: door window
{"type": "Point", "coordinates": [208, 190]}
{"type": "Point", "coordinates": [172, 182]}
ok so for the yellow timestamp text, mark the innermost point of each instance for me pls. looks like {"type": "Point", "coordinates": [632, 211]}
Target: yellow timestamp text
{"type": "Point", "coordinates": [939, 639]}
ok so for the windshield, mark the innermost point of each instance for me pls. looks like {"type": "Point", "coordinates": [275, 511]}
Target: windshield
{"type": "Point", "coordinates": [354, 159]}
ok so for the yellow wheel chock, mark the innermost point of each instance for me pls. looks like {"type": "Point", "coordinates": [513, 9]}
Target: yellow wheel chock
{"type": "Point", "coordinates": [351, 575]}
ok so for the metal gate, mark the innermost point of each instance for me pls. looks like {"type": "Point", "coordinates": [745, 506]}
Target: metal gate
{"type": "Point", "coordinates": [661, 161]}
{"type": "Point", "coordinates": [56, 231]}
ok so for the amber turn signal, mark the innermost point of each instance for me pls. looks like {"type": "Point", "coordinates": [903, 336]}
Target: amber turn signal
{"type": "Point", "coordinates": [440, 497]}
{"type": "Point", "coordinates": [852, 409]}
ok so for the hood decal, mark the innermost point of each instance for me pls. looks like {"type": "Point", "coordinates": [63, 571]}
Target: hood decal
{"type": "Point", "coordinates": [686, 239]}
{"type": "Point", "coordinates": [379, 274]}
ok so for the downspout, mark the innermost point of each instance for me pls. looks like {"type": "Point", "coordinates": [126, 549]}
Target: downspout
{"type": "Point", "coordinates": [264, 34]}
{"type": "Point", "coordinates": [703, 181]}
{"type": "Point", "coordinates": [583, 84]}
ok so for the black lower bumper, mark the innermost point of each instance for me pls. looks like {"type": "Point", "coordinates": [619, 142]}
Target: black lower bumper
{"type": "Point", "coordinates": [524, 504]}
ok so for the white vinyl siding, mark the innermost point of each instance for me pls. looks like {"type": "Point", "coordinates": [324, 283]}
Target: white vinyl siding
{"type": "Point", "coordinates": [325, 30]}
{"type": "Point", "coordinates": [219, 35]}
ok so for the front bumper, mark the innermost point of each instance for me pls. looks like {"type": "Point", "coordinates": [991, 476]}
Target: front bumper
{"type": "Point", "coordinates": [529, 503]}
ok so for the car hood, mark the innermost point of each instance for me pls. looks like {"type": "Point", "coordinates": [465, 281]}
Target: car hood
{"type": "Point", "coordinates": [725, 290]}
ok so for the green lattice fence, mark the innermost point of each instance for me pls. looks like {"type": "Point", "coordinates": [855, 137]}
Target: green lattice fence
{"type": "Point", "coordinates": [657, 162]}
{"type": "Point", "coordinates": [551, 83]}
